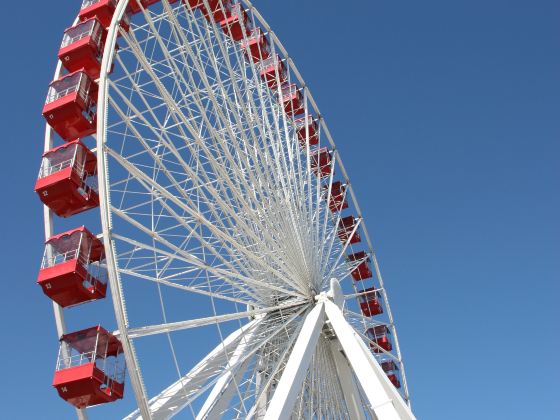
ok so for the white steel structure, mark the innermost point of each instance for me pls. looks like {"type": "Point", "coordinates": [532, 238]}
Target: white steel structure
{"type": "Point", "coordinates": [218, 235]}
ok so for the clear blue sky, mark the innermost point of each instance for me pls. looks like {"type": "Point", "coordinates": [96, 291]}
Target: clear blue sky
{"type": "Point", "coordinates": [447, 116]}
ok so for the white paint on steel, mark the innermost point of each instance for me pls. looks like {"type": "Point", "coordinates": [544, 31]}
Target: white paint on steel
{"type": "Point", "coordinates": [106, 222]}
{"type": "Point", "coordinates": [223, 390]}
{"type": "Point", "coordinates": [336, 294]}
{"type": "Point", "coordinates": [201, 322]}
{"type": "Point", "coordinates": [384, 399]}
{"type": "Point", "coordinates": [171, 400]}
{"type": "Point", "coordinates": [284, 398]}
{"type": "Point", "coordinates": [349, 388]}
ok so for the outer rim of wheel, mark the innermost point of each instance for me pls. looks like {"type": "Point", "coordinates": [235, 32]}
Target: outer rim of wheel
{"type": "Point", "coordinates": [106, 217]}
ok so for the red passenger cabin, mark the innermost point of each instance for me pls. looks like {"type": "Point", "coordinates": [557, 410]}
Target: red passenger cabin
{"type": "Point", "coordinates": [307, 126]}
{"type": "Point", "coordinates": [90, 368]}
{"type": "Point", "coordinates": [362, 270]}
{"type": "Point", "coordinates": [82, 47]}
{"type": "Point", "coordinates": [103, 10]}
{"type": "Point", "coordinates": [219, 9]}
{"type": "Point", "coordinates": [70, 108]}
{"type": "Point", "coordinates": [379, 338]}
{"type": "Point", "coordinates": [369, 302]}
{"type": "Point", "coordinates": [67, 179]}
{"type": "Point", "coordinates": [391, 370]}
{"type": "Point", "coordinates": [236, 23]}
{"type": "Point", "coordinates": [292, 100]}
{"type": "Point", "coordinates": [321, 162]}
{"type": "Point", "coordinates": [345, 229]}
{"type": "Point", "coordinates": [73, 271]}
{"type": "Point", "coordinates": [256, 47]}
{"type": "Point", "coordinates": [273, 71]}
{"type": "Point", "coordinates": [338, 200]}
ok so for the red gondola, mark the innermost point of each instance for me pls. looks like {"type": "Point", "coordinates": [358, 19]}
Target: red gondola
{"type": "Point", "coordinates": [273, 71]}
{"type": "Point", "coordinates": [391, 369]}
{"type": "Point", "coordinates": [72, 270]}
{"type": "Point", "coordinates": [90, 368]}
{"type": "Point", "coordinates": [338, 200]}
{"type": "Point", "coordinates": [345, 229]}
{"type": "Point", "coordinates": [362, 270]}
{"type": "Point", "coordinates": [218, 8]}
{"type": "Point", "coordinates": [292, 100]}
{"type": "Point", "coordinates": [369, 302]}
{"type": "Point", "coordinates": [236, 24]}
{"type": "Point", "coordinates": [82, 47]}
{"type": "Point", "coordinates": [379, 336]}
{"type": "Point", "coordinates": [67, 179]}
{"type": "Point", "coordinates": [103, 10]}
{"type": "Point", "coordinates": [306, 126]}
{"type": "Point", "coordinates": [321, 162]}
{"type": "Point", "coordinates": [70, 108]}
{"type": "Point", "coordinates": [256, 47]}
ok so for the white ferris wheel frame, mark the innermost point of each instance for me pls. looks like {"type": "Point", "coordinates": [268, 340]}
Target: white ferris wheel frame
{"type": "Point", "coordinates": [354, 362]}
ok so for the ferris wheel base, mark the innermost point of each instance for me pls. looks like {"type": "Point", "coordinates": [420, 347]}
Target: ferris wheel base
{"type": "Point", "coordinates": [355, 363]}
{"type": "Point", "coordinates": [367, 391]}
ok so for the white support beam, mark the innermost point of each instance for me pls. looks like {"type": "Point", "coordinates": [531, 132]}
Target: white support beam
{"type": "Point", "coordinates": [349, 387]}
{"type": "Point", "coordinates": [171, 400]}
{"type": "Point", "coordinates": [289, 387]}
{"type": "Point", "coordinates": [384, 399]}
{"type": "Point", "coordinates": [223, 390]}
{"type": "Point", "coordinates": [260, 404]}
{"type": "Point", "coordinates": [222, 393]}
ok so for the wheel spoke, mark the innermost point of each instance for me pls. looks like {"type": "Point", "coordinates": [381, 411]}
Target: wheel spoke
{"type": "Point", "coordinates": [194, 323]}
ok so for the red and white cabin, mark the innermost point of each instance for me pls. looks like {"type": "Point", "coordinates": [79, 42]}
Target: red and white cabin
{"type": "Point", "coordinates": [321, 162]}
{"type": "Point", "coordinates": [391, 369]}
{"type": "Point", "coordinates": [369, 302]}
{"type": "Point", "coordinates": [305, 126]}
{"type": "Point", "coordinates": [256, 47]}
{"type": "Point", "coordinates": [218, 8]}
{"type": "Point", "coordinates": [90, 369]}
{"type": "Point", "coordinates": [236, 24]}
{"type": "Point", "coordinates": [362, 270]}
{"type": "Point", "coordinates": [82, 47]}
{"type": "Point", "coordinates": [273, 71]}
{"type": "Point", "coordinates": [292, 100]}
{"type": "Point", "coordinates": [345, 229]}
{"type": "Point", "coordinates": [103, 10]}
{"type": "Point", "coordinates": [67, 179]}
{"type": "Point", "coordinates": [338, 200]}
{"type": "Point", "coordinates": [72, 271]}
{"type": "Point", "coordinates": [70, 108]}
{"type": "Point", "coordinates": [379, 338]}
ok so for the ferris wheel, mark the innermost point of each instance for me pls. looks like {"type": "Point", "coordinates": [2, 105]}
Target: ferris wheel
{"type": "Point", "coordinates": [221, 223]}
